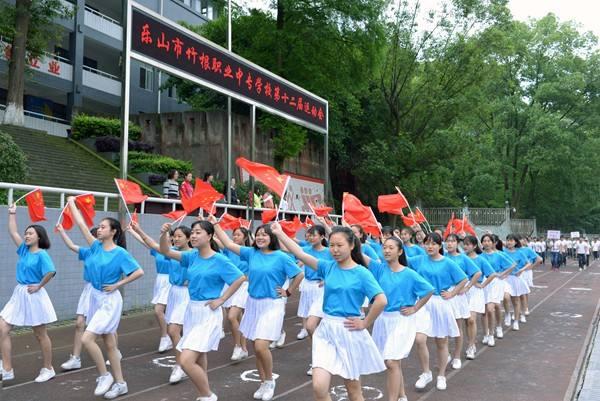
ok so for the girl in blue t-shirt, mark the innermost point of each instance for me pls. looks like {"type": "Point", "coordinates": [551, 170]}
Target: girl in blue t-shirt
{"type": "Point", "coordinates": [460, 303]}
{"type": "Point", "coordinates": [207, 271]}
{"type": "Point", "coordinates": [411, 250]}
{"type": "Point", "coordinates": [476, 294]}
{"type": "Point", "coordinates": [83, 305]}
{"type": "Point", "coordinates": [395, 329]}
{"type": "Point", "coordinates": [107, 261]}
{"type": "Point", "coordinates": [341, 343]}
{"type": "Point", "coordinates": [268, 269]}
{"type": "Point", "coordinates": [29, 304]}
{"type": "Point", "coordinates": [527, 275]}
{"type": "Point", "coordinates": [365, 247]}
{"type": "Point", "coordinates": [518, 286]}
{"type": "Point", "coordinates": [178, 297]}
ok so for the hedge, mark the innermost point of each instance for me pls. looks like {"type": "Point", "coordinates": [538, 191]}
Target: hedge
{"type": "Point", "coordinates": [140, 162]}
{"type": "Point", "coordinates": [84, 126]}
{"type": "Point", "coordinates": [13, 163]}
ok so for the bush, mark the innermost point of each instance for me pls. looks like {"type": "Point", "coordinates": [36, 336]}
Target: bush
{"type": "Point", "coordinates": [13, 163]}
{"type": "Point", "coordinates": [140, 162]}
{"type": "Point", "coordinates": [112, 144]}
{"type": "Point", "coordinates": [84, 126]}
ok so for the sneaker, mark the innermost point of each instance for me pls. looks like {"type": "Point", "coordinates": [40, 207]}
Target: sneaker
{"type": "Point", "coordinates": [424, 379]}
{"type": "Point", "coordinates": [302, 335]}
{"type": "Point", "coordinates": [104, 383]}
{"type": "Point", "coordinates": [73, 363]}
{"type": "Point", "coordinates": [212, 397]}
{"type": "Point", "coordinates": [280, 341]}
{"type": "Point", "coordinates": [456, 364]}
{"type": "Point", "coordinates": [45, 375]}
{"type": "Point", "coordinates": [8, 375]}
{"type": "Point", "coordinates": [269, 390]}
{"type": "Point", "coordinates": [507, 320]}
{"type": "Point", "coordinates": [116, 390]}
{"type": "Point", "coordinates": [402, 399]}
{"type": "Point", "coordinates": [491, 342]}
{"type": "Point", "coordinates": [222, 337]}
{"type": "Point", "coordinates": [273, 344]}
{"type": "Point", "coordinates": [259, 393]}
{"type": "Point", "coordinates": [499, 332]}
{"type": "Point", "coordinates": [309, 371]}
{"type": "Point", "coordinates": [485, 339]}
{"type": "Point", "coordinates": [515, 326]}
{"type": "Point", "coordinates": [177, 374]}
{"type": "Point", "coordinates": [470, 354]}
{"type": "Point", "coordinates": [165, 344]}
{"type": "Point", "coordinates": [237, 353]}
{"type": "Point", "coordinates": [244, 354]}
{"type": "Point", "coordinates": [526, 313]}
{"type": "Point", "coordinates": [120, 357]}
{"type": "Point", "coordinates": [523, 319]}
{"type": "Point", "coordinates": [441, 383]}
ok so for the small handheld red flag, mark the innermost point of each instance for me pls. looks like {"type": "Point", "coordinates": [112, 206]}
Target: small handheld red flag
{"type": "Point", "coordinates": [85, 204]}
{"type": "Point", "coordinates": [228, 222]}
{"type": "Point", "coordinates": [290, 228]}
{"type": "Point", "coordinates": [130, 191]}
{"type": "Point", "coordinates": [268, 215]}
{"type": "Point", "coordinates": [174, 215]}
{"type": "Point", "coordinates": [265, 174]}
{"type": "Point", "coordinates": [35, 205]}
{"type": "Point", "coordinates": [392, 204]}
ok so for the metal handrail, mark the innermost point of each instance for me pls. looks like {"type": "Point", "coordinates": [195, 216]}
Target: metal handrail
{"type": "Point", "coordinates": [104, 17]}
{"type": "Point", "coordinates": [11, 187]}
{"type": "Point", "coordinates": [41, 116]}
{"type": "Point", "coordinates": [102, 73]}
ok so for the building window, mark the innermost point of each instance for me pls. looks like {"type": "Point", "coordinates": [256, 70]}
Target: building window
{"type": "Point", "coordinates": [146, 76]}
{"type": "Point", "coordinates": [171, 92]}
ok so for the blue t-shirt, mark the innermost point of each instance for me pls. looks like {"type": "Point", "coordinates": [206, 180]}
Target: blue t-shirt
{"type": "Point", "coordinates": [82, 255]}
{"type": "Point", "coordinates": [529, 254]}
{"type": "Point", "coordinates": [346, 289]}
{"type": "Point", "coordinates": [442, 273]}
{"type": "Point", "coordinates": [401, 288]}
{"type": "Point", "coordinates": [106, 267]}
{"type": "Point", "coordinates": [207, 276]}
{"type": "Point", "coordinates": [324, 254]}
{"type": "Point", "coordinates": [465, 263]}
{"type": "Point", "coordinates": [485, 267]}
{"type": "Point", "coordinates": [267, 271]}
{"type": "Point", "coordinates": [236, 260]}
{"type": "Point", "coordinates": [174, 270]}
{"type": "Point", "coordinates": [516, 256]}
{"type": "Point", "coordinates": [163, 264]}
{"type": "Point", "coordinates": [377, 247]}
{"type": "Point", "coordinates": [413, 250]}
{"type": "Point", "coordinates": [33, 266]}
{"type": "Point", "coordinates": [498, 260]}
{"type": "Point", "coordinates": [369, 251]}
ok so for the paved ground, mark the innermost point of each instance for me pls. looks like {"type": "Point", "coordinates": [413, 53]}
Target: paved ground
{"type": "Point", "coordinates": [539, 362]}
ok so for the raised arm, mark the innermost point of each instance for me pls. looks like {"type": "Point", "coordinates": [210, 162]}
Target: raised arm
{"type": "Point", "coordinates": [223, 237]}
{"type": "Point", "coordinates": [136, 231]}
{"type": "Point", "coordinates": [165, 243]}
{"type": "Point", "coordinates": [66, 239]}
{"type": "Point", "coordinates": [294, 248]}
{"type": "Point", "coordinates": [324, 224]}
{"type": "Point", "coordinates": [12, 225]}
{"type": "Point", "coordinates": [79, 221]}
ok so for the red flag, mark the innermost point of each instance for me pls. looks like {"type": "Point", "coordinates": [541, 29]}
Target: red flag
{"type": "Point", "coordinates": [308, 222]}
{"type": "Point", "coordinates": [204, 197]}
{"type": "Point", "coordinates": [265, 174]}
{"type": "Point", "coordinates": [175, 214]}
{"type": "Point", "coordinates": [321, 211]}
{"type": "Point", "coordinates": [290, 228]}
{"type": "Point", "coordinates": [419, 216]}
{"type": "Point", "coordinates": [354, 211]}
{"type": "Point", "coordinates": [449, 227]}
{"type": "Point", "coordinates": [268, 215]}
{"type": "Point", "coordinates": [409, 220]}
{"type": "Point", "coordinates": [130, 191]}
{"type": "Point", "coordinates": [228, 222]}
{"type": "Point", "coordinates": [463, 226]}
{"type": "Point", "coordinates": [392, 204]}
{"type": "Point", "coordinates": [67, 219]}
{"type": "Point", "coordinates": [35, 205]}
{"type": "Point", "coordinates": [85, 204]}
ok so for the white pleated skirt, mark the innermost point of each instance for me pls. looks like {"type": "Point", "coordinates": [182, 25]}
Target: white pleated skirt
{"type": "Point", "coordinates": [517, 286]}
{"type": "Point", "coordinates": [83, 306]}
{"type": "Point", "coordinates": [104, 314]}
{"type": "Point", "coordinates": [423, 321]}
{"type": "Point", "coordinates": [476, 299]}
{"type": "Point", "coordinates": [527, 276]}
{"type": "Point", "coordinates": [263, 318]}
{"type": "Point", "coordinates": [162, 286]}
{"type": "Point", "coordinates": [460, 306]}
{"type": "Point", "coordinates": [201, 327]}
{"type": "Point", "coordinates": [394, 334]}
{"type": "Point", "coordinates": [311, 292]}
{"type": "Point", "coordinates": [239, 298]}
{"type": "Point", "coordinates": [316, 309]}
{"type": "Point", "coordinates": [177, 304]}
{"type": "Point", "coordinates": [342, 352]}
{"type": "Point", "coordinates": [443, 323]}
{"type": "Point", "coordinates": [494, 291]}
{"type": "Point", "coordinates": [25, 309]}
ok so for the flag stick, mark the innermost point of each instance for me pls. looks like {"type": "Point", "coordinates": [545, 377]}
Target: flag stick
{"type": "Point", "coordinates": [15, 202]}
{"type": "Point", "coordinates": [61, 214]}
{"type": "Point", "coordinates": [408, 204]}
{"type": "Point", "coordinates": [287, 182]}
{"type": "Point", "coordinates": [123, 199]}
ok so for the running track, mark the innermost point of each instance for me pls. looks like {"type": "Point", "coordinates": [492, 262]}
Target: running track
{"type": "Point", "coordinates": [539, 362]}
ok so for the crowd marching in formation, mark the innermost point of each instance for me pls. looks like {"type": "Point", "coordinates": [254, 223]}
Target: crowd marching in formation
{"type": "Point", "coordinates": [365, 302]}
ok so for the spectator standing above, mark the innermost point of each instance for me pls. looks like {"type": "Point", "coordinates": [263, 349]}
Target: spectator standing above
{"type": "Point", "coordinates": [234, 198]}
{"type": "Point", "coordinates": [187, 189]}
{"type": "Point", "coordinates": [171, 186]}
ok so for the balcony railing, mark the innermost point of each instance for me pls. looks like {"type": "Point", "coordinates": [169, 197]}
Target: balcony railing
{"type": "Point", "coordinates": [103, 23]}
{"type": "Point", "coordinates": [101, 80]}
{"type": "Point", "coordinates": [52, 125]}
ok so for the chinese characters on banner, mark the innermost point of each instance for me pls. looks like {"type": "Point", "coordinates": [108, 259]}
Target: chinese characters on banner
{"type": "Point", "coordinates": [157, 40]}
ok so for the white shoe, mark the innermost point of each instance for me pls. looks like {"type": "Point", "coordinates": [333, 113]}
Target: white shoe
{"type": "Point", "coordinates": [499, 332]}
{"type": "Point", "coordinates": [165, 344]}
{"type": "Point", "coordinates": [470, 354]}
{"type": "Point", "coordinates": [526, 313]}
{"type": "Point", "coordinates": [441, 383]}
{"type": "Point", "coordinates": [45, 375]}
{"type": "Point", "coordinates": [523, 319]}
{"type": "Point", "coordinates": [507, 320]}
{"type": "Point", "coordinates": [212, 397]}
{"type": "Point", "coordinates": [309, 371]}
{"type": "Point", "coordinates": [491, 341]}
{"type": "Point", "coordinates": [8, 375]}
{"type": "Point", "coordinates": [515, 326]}
{"type": "Point", "coordinates": [402, 399]}
{"type": "Point", "coordinates": [273, 344]}
{"type": "Point", "coordinates": [424, 379]}
{"type": "Point", "coordinates": [259, 393]}
{"type": "Point", "coordinates": [116, 390]}
{"type": "Point", "coordinates": [237, 353]}
{"type": "Point", "coordinates": [222, 337]}
{"type": "Point", "coordinates": [104, 383]}
{"type": "Point", "coordinates": [120, 357]}
{"type": "Point", "coordinates": [280, 341]}
{"type": "Point", "coordinates": [456, 364]}
{"type": "Point", "coordinates": [485, 339]}
{"type": "Point", "coordinates": [302, 334]}
{"type": "Point", "coordinates": [73, 363]}
{"type": "Point", "coordinates": [177, 374]}
{"type": "Point", "coordinates": [269, 390]}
